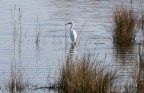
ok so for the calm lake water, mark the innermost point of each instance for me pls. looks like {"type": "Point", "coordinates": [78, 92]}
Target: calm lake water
{"type": "Point", "coordinates": [41, 62]}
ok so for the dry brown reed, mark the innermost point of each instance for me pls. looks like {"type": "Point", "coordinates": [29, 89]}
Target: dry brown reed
{"type": "Point", "coordinates": [141, 21]}
{"type": "Point", "coordinates": [124, 25]}
{"type": "Point", "coordinates": [86, 76]}
{"type": "Point", "coordinates": [17, 83]}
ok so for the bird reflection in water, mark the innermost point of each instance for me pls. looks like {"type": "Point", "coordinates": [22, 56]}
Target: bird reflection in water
{"type": "Point", "coordinates": [73, 52]}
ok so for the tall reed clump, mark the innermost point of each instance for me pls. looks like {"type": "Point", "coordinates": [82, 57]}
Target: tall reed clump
{"type": "Point", "coordinates": [124, 25]}
{"type": "Point", "coordinates": [16, 83]}
{"type": "Point", "coordinates": [141, 22]}
{"type": "Point", "coordinates": [85, 76]}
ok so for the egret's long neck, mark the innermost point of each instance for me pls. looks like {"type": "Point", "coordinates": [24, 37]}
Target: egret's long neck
{"type": "Point", "coordinates": [71, 28]}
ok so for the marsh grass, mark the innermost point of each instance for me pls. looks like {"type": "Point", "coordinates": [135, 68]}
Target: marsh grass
{"type": "Point", "coordinates": [16, 82]}
{"type": "Point", "coordinates": [124, 25]}
{"type": "Point", "coordinates": [141, 22]}
{"type": "Point", "coordinates": [38, 33]}
{"type": "Point", "coordinates": [86, 75]}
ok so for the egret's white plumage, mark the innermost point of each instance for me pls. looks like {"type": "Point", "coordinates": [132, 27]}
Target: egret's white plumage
{"type": "Point", "coordinates": [73, 34]}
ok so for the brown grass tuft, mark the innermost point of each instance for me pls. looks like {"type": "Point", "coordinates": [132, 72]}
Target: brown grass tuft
{"type": "Point", "coordinates": [124, 25]}
{"type": "Point", "coordinates": [85, 76]}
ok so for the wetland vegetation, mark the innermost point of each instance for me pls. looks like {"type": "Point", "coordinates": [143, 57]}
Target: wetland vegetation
{"type": "Point", "coordinates": [83, 73]}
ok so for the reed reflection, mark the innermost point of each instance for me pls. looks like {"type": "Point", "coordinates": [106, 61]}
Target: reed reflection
{"type": "Point", "coordinates": [138, 70]}
{"type": "Point", "coordinates": [124, 54]}
{"type": "Point", "coordinates": [141, 56]}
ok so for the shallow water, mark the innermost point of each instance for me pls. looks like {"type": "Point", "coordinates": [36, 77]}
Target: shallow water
{"type": "Point", "coordinates": [41, 61]}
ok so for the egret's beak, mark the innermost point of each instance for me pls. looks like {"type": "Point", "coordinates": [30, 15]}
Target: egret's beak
{"type": "Point", "coordinates": [67, 23]}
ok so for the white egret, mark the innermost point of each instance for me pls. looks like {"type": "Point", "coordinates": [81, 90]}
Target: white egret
{"type": "Point", "coordinates": [73, 34]}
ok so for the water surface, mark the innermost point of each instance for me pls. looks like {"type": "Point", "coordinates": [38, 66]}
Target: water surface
{"type": "Point", "coordinates": [43, 60]}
